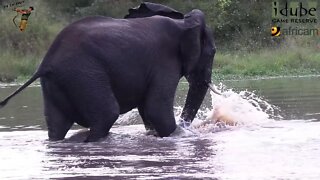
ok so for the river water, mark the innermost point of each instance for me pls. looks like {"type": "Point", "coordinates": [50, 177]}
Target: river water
{"type": "Point", "coordinates": [277, 137]}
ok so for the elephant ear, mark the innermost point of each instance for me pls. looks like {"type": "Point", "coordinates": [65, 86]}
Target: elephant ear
{"type": "Point", "coordinates": [147, 9]}
{"type": "Point", "coordinates": [191, 43]}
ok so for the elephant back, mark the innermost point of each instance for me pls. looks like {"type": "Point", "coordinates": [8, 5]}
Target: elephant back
{"type": "Point", "coordinates": [147, 9]}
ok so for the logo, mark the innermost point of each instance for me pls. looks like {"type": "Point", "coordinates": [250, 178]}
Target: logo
{"type": "Point", "coordinates": [25, 13]}
{"type": "Point", "coordinates": [295, 9]}
{"type": "Point", "coordinates": [13, 4]}
{"type": "Point", "coordinates": [294, 12]}
{"type": "Point", "coordinates": [275, 31]}
{"type": "Point", "coordinates": [297, 17]}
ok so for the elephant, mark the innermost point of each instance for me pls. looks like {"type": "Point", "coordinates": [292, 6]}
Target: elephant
{"type": "Point", "coordinates": [100, 67]}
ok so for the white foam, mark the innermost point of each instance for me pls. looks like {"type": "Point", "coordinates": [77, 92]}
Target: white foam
{"type": "Point", "coordinates": [245, 108]}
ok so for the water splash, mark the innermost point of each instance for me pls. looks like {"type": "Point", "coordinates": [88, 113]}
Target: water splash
{"type": "Point", "coordinates": [130, 118]}
{"type": "Point", "coordinates": [244, 108]}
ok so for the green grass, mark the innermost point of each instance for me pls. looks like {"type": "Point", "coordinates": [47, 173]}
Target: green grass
{"type": "Point", "coordinates": [20, 53]}
{"type": "Point", "coordinates": [13, 66]}
{"type": "Point", "coordinates": [291, 61]}
{"type": "Point", "coordinates": [235, 65]}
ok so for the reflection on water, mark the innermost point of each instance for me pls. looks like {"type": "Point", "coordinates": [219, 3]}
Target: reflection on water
{"type": "Point", "coordinates": [269, 150]}
{"type": "Point", "coordinates": [25, 111]}
{"type": "Point", "coordinates": [126, 153]}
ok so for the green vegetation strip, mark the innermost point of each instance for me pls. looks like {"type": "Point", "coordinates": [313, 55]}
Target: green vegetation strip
{"type": "Point", "coordinates": [267, 63]}
{"type": "Point", "coordinates": [241, 30]}
{"type": "Point", "coordinates": [234, 65]}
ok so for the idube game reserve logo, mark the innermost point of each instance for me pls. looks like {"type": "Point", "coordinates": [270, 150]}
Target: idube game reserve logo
{"type": "Point", "coordinates": [294, 18]}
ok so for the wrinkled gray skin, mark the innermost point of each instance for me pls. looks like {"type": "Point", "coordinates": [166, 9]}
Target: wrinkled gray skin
{"type": "Point", "coordinates": [100, 67]}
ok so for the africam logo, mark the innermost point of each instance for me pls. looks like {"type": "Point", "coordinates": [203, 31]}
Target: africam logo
{"type": "Point", "coordinates": [298, 31]}
{"type": "Point", "coordinates": [293, 17]}
{"type": "Point", "coordinates": [275, 31]}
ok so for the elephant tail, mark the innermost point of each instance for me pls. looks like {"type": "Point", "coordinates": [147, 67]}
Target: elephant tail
{"type": "Point", "coordinates": [31, 80]}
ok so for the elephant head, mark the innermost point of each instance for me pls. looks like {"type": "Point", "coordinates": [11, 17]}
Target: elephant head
{"type": "Point", "coordinates": [197, 52]}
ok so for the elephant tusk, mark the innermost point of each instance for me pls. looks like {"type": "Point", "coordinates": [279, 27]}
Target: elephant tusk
{"type": "Point", "coordinates": [213, 89]}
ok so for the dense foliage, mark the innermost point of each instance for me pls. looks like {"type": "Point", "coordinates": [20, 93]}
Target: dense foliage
{"type": "Point", "coordinates": [239, 26]}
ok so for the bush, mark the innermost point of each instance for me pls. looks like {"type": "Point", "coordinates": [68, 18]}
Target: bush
{"type": "Point", "coordinates": [241, 31]}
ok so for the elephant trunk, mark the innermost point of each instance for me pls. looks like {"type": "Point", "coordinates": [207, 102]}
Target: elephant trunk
{"type": "Point", "coordinates": [199, 81]}
{"type": "Point", "coordinates": [194, 99]}
{"type": "Point", "coordinates": [196, 94]}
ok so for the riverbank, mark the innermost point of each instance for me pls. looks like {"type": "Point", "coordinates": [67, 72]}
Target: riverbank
{"type": "Point", "coordinates": [227, 65]}
{"type": "Point", "coordinates": [285, 61]}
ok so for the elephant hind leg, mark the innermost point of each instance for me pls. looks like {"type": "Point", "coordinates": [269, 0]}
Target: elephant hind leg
{"type": "Point", "coordinates": [158, 109]}
{"type": "Point", "coordinates": [93, 96]}
{"type": "Point", "coordinates": [56, 105]}
{"type": "Point", "coordinates": [102, 110]}
{"type": "Point", "coordinates": [146, 122]}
